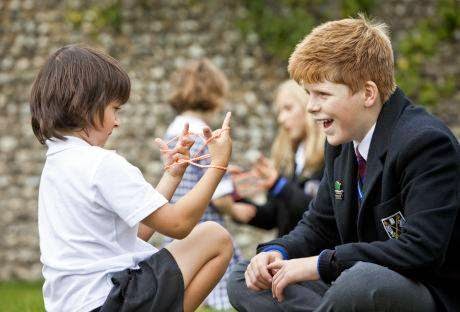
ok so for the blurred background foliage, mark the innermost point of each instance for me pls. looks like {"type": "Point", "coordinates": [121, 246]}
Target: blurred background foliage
{"type": "Point", "coordinates": [281, 24]}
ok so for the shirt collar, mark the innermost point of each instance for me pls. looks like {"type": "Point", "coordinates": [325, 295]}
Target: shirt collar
{"type": "Point", "coordinates": [364, 145]}
{"type": "Point", "coordinates": [56, 145]}
{"type": "Point", "coordinates": [299, 158]}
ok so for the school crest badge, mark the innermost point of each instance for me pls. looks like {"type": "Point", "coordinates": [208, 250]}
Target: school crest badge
{"type": "Point", "coordinates": [393, 224]}
{"type": "Point", "coordinates": [338, 191]}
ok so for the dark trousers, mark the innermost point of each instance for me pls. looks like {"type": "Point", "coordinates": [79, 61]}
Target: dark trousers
{"type": "Point", "coordinates": [364, 287]}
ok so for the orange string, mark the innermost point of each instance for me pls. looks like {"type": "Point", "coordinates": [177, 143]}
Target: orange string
{"type": "Point", "coordinates": [195, 157]}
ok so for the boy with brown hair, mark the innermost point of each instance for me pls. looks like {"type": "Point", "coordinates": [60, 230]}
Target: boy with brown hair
{"type": "Point", "coordinates": [91, 200]}
{"type": "Point", "coordinates": [383, 232]}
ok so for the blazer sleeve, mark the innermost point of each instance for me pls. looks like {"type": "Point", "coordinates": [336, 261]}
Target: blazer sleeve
{"type": "Point", "coordinates": [316, 231]}
{"type": "Point", "coordinates": [265, 217]}
{"type": "Point", "coordinates": [428, 168]}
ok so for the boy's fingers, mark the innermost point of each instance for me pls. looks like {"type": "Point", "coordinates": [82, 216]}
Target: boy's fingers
{"type": "Point", "coordinates": [226, 123]}
{"type": "Point", "coordinates": [207, 133]}
{"type": "Point", "coordinates": [185, 131]}
{"type": "Point", "coordinates": [275, 265]}
{"type": "Point", "coordinates": [161, 144]}
{"type": "Point", "coordinates": [264, 274]}
{"type": "Point", "coordinates": [250, 281]}
{"type": "Point", "coordinates": [182, 150]}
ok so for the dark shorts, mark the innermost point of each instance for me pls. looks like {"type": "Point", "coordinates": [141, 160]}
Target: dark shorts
{"type": "Point", "coordinates": [157, 286]}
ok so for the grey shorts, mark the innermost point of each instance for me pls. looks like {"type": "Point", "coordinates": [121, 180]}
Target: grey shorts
{"type": "Point", "coordinates": [157, 286]}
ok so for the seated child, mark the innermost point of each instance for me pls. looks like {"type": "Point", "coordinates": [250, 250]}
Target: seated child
{"type": "Point", "coordinates": [291, 178]}
{"type": "Point", "coordinates": [91, 200]}
{"type": "Point", "coordinates": [384, 229]}
{"type": "Point", "coordinates": [198, 91]}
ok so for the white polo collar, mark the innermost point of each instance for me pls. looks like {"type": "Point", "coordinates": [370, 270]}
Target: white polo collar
{"type": "Point", "coordinates": [56, 145]}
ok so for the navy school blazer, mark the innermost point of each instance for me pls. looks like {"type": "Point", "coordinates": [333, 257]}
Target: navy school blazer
{"type": "Point", "coordinates": [408, 220]}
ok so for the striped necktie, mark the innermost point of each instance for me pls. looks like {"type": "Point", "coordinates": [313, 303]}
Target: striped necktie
{"type": "Point", "coordinates": [361, 174]}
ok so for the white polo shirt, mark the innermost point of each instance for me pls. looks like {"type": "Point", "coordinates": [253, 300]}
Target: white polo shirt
{"type": "Point", "coordinates": [90, 203]}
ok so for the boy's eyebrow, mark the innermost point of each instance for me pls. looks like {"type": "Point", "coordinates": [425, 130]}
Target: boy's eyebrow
{"type": "Point", "coordinates": [317, 90]}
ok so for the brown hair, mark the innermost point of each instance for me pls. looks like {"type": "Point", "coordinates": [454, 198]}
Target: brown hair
{"type": "Point", "coordinates": [283, 151]}
{"type": "Point", "coordinates": [199, 86]}
{"type": "Point", "coordinates": [74, 87]}
{"type": "Point", "coordinates": [349, 51]}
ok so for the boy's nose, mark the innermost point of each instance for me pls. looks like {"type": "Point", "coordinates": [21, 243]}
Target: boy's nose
{"type": "Point", "coordinates": [312, 105]}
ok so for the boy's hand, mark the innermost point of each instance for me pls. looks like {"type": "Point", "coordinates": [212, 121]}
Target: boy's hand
{"type": "Point", "coordinates": [180, 151]}
{"type": "Point", "coordinates": [220, 147]}
{"type": "Point", "coordinates": [267, 172]}
{"type": "Point", "coordinates": [243, 212]}
{"type": "Point", "coordinates": [292, 271]}
{"type": "Point", "coordinates": [258, 276]}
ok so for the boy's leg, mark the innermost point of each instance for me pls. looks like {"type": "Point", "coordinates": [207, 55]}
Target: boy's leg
{"type": "Point", "coordinates": [298, 297]}
{"type": "Point", "coordinates": [370, 287]}
{"type": "Point", "coordinates": [202, 257]}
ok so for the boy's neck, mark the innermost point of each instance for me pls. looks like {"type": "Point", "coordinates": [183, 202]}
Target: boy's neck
{"type": "Point", "coordinates": [369, 120]}
{"type": "Point", "coordinates": [81, 135]}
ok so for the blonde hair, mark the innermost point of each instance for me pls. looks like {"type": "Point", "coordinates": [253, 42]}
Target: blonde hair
{"type": "Point", "coordinates": [349, 51]}
{"type": "Point", "coordinates": [283, 151]}
{"type": "Point", "coordinates": [199, 86]}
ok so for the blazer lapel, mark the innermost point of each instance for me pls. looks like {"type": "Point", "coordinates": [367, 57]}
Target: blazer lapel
{"type": "Point", "coordinates": [345, 209]}
{"type": "Point", "coordinates": [378, 148]}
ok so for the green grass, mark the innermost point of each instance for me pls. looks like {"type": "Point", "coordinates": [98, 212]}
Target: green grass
{"type": "Point", "coordinates": [27, 297]}
{"type": "Point", "coordinates": [21, 297]}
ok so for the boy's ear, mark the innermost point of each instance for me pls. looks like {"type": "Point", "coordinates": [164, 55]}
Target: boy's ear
{"type": "Point", "coordinates": [371, 93]}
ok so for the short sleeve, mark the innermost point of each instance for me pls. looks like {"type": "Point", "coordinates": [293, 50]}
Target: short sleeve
{"type": "Point", "coordinates": [121, 187]}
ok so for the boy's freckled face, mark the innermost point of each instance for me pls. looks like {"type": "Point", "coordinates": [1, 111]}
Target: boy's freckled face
{"type": "Point", "coordinates": [340, 113]}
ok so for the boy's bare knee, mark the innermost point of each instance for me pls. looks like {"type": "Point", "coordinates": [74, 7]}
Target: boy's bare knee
{"type": "Point", "coordinates": [218, 236]}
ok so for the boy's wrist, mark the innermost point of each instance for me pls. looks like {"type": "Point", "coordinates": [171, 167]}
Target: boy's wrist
{"type": "Point", "coordinates": [219, 163]}
{"type": "Point", "coordinates": [171, 177]}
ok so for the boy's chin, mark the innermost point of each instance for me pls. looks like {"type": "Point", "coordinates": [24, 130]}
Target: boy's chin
{"type": "Point", "coordinates": [334, 141]}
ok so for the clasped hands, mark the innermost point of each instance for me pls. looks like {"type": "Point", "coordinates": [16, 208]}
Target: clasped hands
{"type": "Point", "coordinates": [268, 270]}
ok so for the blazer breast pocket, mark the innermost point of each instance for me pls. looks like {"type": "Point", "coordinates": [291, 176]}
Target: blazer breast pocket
{"type": "Point", "coordinates": [389, 218]}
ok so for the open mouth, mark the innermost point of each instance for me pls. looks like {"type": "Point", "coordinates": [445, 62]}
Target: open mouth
{"type": "Point", "coordinates": [325, 122]}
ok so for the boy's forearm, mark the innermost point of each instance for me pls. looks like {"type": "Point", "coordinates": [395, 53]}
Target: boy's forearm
{"type": "Point", "coordinates": [193, 204]}
{"type": "Point", "coordinates": [168, 185]}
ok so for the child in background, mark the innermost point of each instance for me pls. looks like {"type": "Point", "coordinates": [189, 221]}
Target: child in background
{"type": "Point", "coordinates": [292, 177]}
{"type": "Point", "coordinates": [198, 91]}
{"type": "Point", "coordinates": [91, 200]}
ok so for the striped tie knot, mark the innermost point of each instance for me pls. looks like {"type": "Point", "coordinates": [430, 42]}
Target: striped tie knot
{"type": "Point", "coordinates": [361, 165]}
